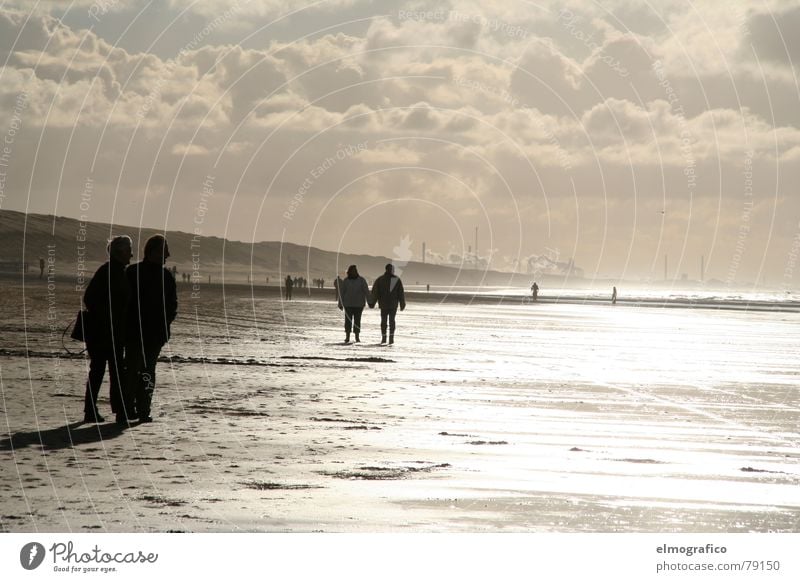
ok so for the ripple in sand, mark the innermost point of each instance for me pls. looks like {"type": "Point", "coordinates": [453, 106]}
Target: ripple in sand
{"type": "Point", "coordinates": [370, 473]}
{"type": "Point", "coordinates": [645, 461]}
{"type": "Point", "coordinates": [487, 442]}
{"type": "Point", "coordinates": [268, 486]}
{"type": "Point", "coordinates": [162, 501]}
{"type": "Point", "coordinates": [752, 470]}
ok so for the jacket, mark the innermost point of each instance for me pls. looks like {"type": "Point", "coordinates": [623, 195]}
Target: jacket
{"type": "Point", "coordinates": [153, 302]}
{"type": "Point", "coordinates": [353, 292]}
{"type": "Point", "coordinates": [106, 299]}
{"type": "Point", "coordinates": [387, 291]}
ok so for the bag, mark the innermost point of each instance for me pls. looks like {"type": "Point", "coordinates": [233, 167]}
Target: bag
{"type": "Point", "coordinates": [80, 326]}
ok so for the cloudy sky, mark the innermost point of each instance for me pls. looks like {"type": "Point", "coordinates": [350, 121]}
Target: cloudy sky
{"type": "Point", "coordinates": [613, 132]}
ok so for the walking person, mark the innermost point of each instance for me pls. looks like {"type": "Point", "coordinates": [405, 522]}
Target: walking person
{"type": "Point", "coordinates": [614, 296]}
{"type": "Point", "coordinates": [153, 307]}
{"type": "Point", "coordinates": [387, 292]}
{"type": "Point", "coordinates": [106, 300]}
{"type": "Point", "coordinates": [353, 296]}
{"type": "Point", "coordinates": [289, 284]}
{"type": "Point", "coordinates": [535, 291]}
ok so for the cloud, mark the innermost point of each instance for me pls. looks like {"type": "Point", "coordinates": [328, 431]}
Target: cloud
{"type": "Point", "coordinates": [562, 134]}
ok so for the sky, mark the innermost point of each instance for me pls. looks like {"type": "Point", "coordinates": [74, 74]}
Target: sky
{"type": "Point", "coordinates": [613, 133]}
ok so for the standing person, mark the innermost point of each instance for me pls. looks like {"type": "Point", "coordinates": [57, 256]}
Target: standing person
{"type": "Point", "coordinates": [353, 294]}
{"type": "Point", "coordinates": [106, 300]}
{"type": "Point", "coordinates": [614, 296]}
{"type": "Point", "coordinates": [388, 293]}
{"type": "Point", "coordinates": [41, 267]}
{"type": "Point", "coordinates": [535, 291]}
{"type": "Point", "coordinates": [289, 284]}
{"type": "Point", "coordinates": [153, 307]}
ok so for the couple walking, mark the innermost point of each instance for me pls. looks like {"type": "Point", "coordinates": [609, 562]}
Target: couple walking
{"type": "Point", "coordinates": [130, 310]}
{"type": "Point", "coordinates": [353, 293]}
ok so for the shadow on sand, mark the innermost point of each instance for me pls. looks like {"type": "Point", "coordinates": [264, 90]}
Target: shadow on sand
{"type": "Point", "coordinates": [63, 437]}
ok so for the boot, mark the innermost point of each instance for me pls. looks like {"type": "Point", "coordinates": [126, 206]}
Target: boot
{"type": "Point", "coordinates": [357, 339]}
{"type": "Point", "coordinates": [383, 339]}
{"type": "Point", "coordinates": [347, 338]}
{"type": "Point", "coordinates": [391, 338]}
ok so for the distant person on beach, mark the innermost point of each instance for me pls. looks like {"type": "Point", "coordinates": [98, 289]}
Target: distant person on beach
{"type": "Point", "coordinates": [614, 296]}
{"type": "Point", "coordinates": [535, 291]}
{"type": "Point", "coordinates": [153, 307]}
{"type": "Point", "coordinates": [106, 300]}
{"type": "Point", "coordinates": [353, 296]}
{"type": "Point", "coordinates": [289, 284]}
{"type": "Point", "coordinates": [388, 293]}
{"type": "Point", "coordinates": [41, 267]}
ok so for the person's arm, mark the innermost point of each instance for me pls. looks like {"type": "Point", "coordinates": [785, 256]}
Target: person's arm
{"type": "Point", "coordinates": [170, 297]}
{"type": "Point", "coordinates": [375, 294]}
{"type": "Point", "coordinates": [401, 296]}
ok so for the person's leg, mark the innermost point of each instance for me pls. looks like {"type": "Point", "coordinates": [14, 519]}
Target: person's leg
{"type": "Point", "coordinates": [148, 383]}
{"type": "Point", "coordinates": [134, 362]}
{"type": "Point", "coordinates": [97, 369]}
{"type": "Point", "coordinates": [384, 316]}
{"type": "Point", "coordinates": [348, 322]}
{"type": "Point", "coordinates": [116, 372]}
{"type": "Point", "coordinates": [392, 315]}
{"type": "Point", "coordinates": [357, 311]}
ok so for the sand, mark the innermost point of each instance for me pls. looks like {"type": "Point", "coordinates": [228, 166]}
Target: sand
{"type": "Point", "coordinates": [486, 417]}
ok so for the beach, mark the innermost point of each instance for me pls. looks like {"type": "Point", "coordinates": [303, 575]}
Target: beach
{"type": "Point", "coordinates": [485, 416]}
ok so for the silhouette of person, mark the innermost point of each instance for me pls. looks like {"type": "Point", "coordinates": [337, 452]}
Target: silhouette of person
{"type": "Point", "coordinates": [106, 300]}
{"type": "Point", "coordinates": [41, 267]}
{"type": "Point", "coordinates": [289, 284]}
{"type": "Point", "coordinates": [353, 296]}
{"type": "Point", "coordinates": [535, 291]}
{"type": "Point", "coordinates": [614, 296]}
{"type": "Point", "coordinates": [153, 307]}
{"type": "Point", "coordinates": [388, 293]}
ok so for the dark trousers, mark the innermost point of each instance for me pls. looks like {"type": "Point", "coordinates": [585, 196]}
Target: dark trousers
{"type": "Point", "coordinates": [100, 354]}
{"type": "Point", "coordinates": [352, 319]}
{"type": "Point", "coordinates": [390, 315]}
{"type": "Point", "coordinates": [288, 292]}
{"type": "Point", "coordinates": [140, 360]}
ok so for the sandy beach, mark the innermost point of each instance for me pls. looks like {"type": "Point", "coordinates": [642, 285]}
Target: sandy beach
{"type": "Point", "coordinates": [483, 417]}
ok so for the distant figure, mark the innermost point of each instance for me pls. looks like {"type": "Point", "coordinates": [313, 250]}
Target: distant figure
{"type": "Point", "coordinates": [322, 283]}
{"type": "Point", "coordinates": [41, 267]}
{"type": "Point", "coordinates": [175, 271]}
{"type": "Point", "coordinates": [614, 296]}
{"type": "Point", "coordinates": [289, 284]}
{"type": "Point", "coordinates": [388, 293]}
{"type": "Point", "coordinates": [353, 296]}
{"type": "Point", "coordinates": [106, 299]}
{"type": "Point", "coordinates": [428, 287]}
{"type": "Point", "coordinates": [153, 307]}
{"type": "Point", "coordinates": [535, 291]}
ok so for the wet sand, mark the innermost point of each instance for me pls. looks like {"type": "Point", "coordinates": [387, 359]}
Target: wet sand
{"type": "Point", "coordinates": [482, 418]}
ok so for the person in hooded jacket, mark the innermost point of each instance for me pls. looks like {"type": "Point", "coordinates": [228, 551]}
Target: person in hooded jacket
{"type": "Point", "coordinates": [387, 292]}
{"type": "Point", "coordinates": [153, 307]}
{"type": "Point", "coordinates": [353, 294]}
{"type": "Point", "coordinates": [106, 300]}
